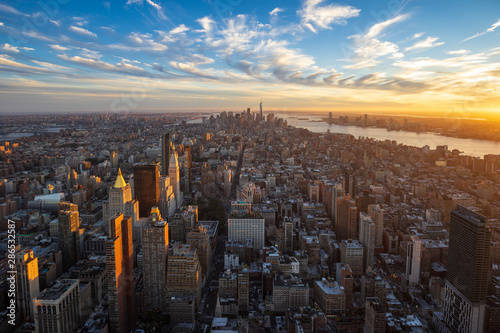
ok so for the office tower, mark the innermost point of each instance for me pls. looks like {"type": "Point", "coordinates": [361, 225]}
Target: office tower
{"type": "Point", "coordinates": [184, 272]}
{"type": "Point", "coordinates": [377, 215]}
{"type": "Point", "coordinates": [246, 225]}
{"type": "Point", "coordinates": [199, 240]}
{"type": "Point", "coordinates": [364, 200]}
{"type": "Point", "coordinates": [346, 218]}
{"type": "Point", "coordinates": [243, 290]}
{"type": "Point", "coordinates": [27, 282]}
{"type": "Point", "coordinates": [350, 185]}
{"type": "Point", "coordinates": [120, 201]}
{"type": "Point", "coordinates": [185, 219]}
{"type": "Point", "coordinates": [413, 258]}
{"type": "Point", "coordinates": [165, 154]}
{"type": "Point", "coordinates": [227, 176]}
{"type": "Point", "coordinates": [175, 178]}
{"type": "Point", "coordinates": [187, 169]}
{"type": "Point", "coordinates": [375, 316]}
{"type": "Point", "coordinates": [261, 111]}
{"type": "Point", "coordinates": [167, 204]}
{"type": "Point", "coordinates": [69, 223]}
{"type": "Point", "coordinates": [351, 253]}
{"type": "Point", "coordinates": [288, 226]}
{"type": "Point", "coordinates": [57, 309]}
{"type": "Point", "coordinates": [120, 273]}
{"type": "Point", "coordinates": [467, 276]}
{"type": "Point", "coordinates": [147, 186]}
{"type": "Point", "coordinates": [347, 282]}
{"type": "Point", "coordinates": [367, 238]}
{"type": "Point", "coordinates": [330, 117]}
{"type": "Point", "coordinates": [337, 192]}
{"type": "Point", "coordinates": [154, 253]}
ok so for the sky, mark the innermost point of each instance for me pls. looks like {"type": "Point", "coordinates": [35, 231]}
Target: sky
{"type": "Point", "coordinates": [407, 56]}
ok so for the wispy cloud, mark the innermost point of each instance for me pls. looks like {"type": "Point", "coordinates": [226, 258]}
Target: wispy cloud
{"type": "Point", "coordinates": [316, 17]}
{"type": "Point", "coordinates": [82, 31]}
{"type": "Point", "coordinates": [368, 48]}
{"type": "Point", "coordinates": [458, 52]}
{"type": "Point", "coordinates": [158, 8]}
{"type": "Point", "coordinates": [275, 11]}
{"type": "Point", "coordinates": [490, 29]}
{"type": "Point", "coordinates": [107, 4]}
{"type": "Point", "coordinates": [425, 44]}
{"type": "Point", "coordinates": [59, 47]}
{"type": "Point", "coordinates": [9, 9]}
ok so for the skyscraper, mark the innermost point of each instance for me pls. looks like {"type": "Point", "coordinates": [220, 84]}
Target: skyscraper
{"type": "Point", "coordinates": [120, 273]}
{"type": "Point", "coordinates": [165, 153]}
{"type": "Point", "coordinates": [174, 174]}
{"type": "Point", "coordinates": [120, 201]}
{"type": "Point", "coordinates": [147, 186]}
{"type": "Point", "coordinates": [154, 254]}
{"type": "Point", "coordinates": [367, 238]}
{"type": "Point", "coordinates": [261, 112]}
{"type": "Point", "coordinates": [346, 218]}
{"type": "Point", "coordinates": [467, 276]}
{"type": "Point", "coordinates": [27, 282]}
{"type": "Point", "coordinates": [187, 169]}
{"type": "Point", "coordinates": [244, 225]}
{"type": "Point", "coordinates": [350, 185]}
{"type": "Point", "coordinates": [413, 259]}
{"type": "Point", "coordinates": [69, 223]}
{"type": "Point", "coordinates": [199, 240]}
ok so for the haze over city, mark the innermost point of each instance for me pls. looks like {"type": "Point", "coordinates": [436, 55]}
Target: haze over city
{"type": "Point", "coordinates": [364, 56]}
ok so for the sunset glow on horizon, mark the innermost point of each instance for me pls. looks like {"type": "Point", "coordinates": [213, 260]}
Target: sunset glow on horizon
{"type": "Point", "coordinates": [397, 56]}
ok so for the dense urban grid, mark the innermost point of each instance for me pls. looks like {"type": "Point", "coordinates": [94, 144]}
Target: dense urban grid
{"type": "Point", "coordinates": [240, 223]}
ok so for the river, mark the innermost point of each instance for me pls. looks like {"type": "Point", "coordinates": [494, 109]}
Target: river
{"type": "Point", "coordinates": [471, 147]}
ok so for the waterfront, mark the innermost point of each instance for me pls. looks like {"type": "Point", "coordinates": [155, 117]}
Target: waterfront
{"type": "Point", "coordinates": [471, 147]}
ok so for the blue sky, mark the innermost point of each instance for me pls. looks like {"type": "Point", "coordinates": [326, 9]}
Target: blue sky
{"type": "Point", "coordinates": [142, 55]}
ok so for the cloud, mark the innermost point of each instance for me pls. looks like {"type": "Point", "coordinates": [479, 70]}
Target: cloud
{"type": "Point", "coordinates": [455, 62]}
{"type": "Point", "coordinates": [458, 52]}
{"type": "Point", "coordinates": [56, 23]}
{"type": "Point", "coordinates": [59, 47]}
{"type": "Point", "coordinates": [275, 11]}
{"type": "Point", "coordinates": [490, 29]}
{"type": "Point", "coordinates": [82, 31]}
{"type": "Point", "coordinates": [1, 24]}
{"type": "Point", "coordinates": [107, 4]}
{"type": "Point", "coordinates": [156, 6]}
{"type": "Point", "coordinates": [378, 28]}
{"type": "Point", "coordinates": [9, 9]}
{"type": "Point", "coordinates": [425, 44]}
{"type": "Point", "coordinates": [15, 49]}
{"type": "Point", "coordinates": [368, 48]}
{"type": "Point", "coordinates": [418, 35]}
{"type": "Point", "coordinates": [316, 17]}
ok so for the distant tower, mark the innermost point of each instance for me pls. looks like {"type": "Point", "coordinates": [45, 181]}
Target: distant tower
{"type": "Point", "coordinates": [147, 186]}
{"type": "Point", "coordinates": [120, 273]}
{"type": "Point", "coordinates": [261, 114]}
{"type": "Point", "coordinates": [165, 153]}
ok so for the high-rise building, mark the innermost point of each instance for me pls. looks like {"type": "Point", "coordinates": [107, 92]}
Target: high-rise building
{"type": "Point", "coordinates": [243, 225]}
{"type": "Point", "coordinates": [27, 282]}
{"type": "Point", "coordinates": [184, 272]}
{"type": "Point", "coordinates": [375, 316]}
{"type": "Point", "coordinates": [367, 238]}
{"type": "Point", "coordinates": [350, 185]}
{"type": "Point", "coordinates": [175, 178]}
{"type": "Point", "coordinates": [377, 215]}
{"type": "Point", "coordinates": [187, 169]}
{"type": "Point", "coordinates": [351, 253]}
{"type": "Point", "coordinates": [261, 111]}
{"type": "Point", "coordinates": [69, 223]}
{"type": "Point", "coordinates": [120, 273]}
{"type": "Point", "coordinates": [154, 254]}
{"type": "Point", "coordinates": [288, 226]}
{"type": "Point", "coordinates": [346, 218]}
{"type": "Point", "coordinates": [199, 239]}
{"type": "Point", "coordinates": [165, 153]}
{"type": "Point", "coordinates": [413, 259]}
{"type": "Point", "coordinates": [147, 186]}
{"type": "Point", "coordinates": [57, 309]}
{"type": "Point", "coordinates": [243, 290]}
{"type": "Point", "coordinates": [167, 204]}
{"type": "Point", "coordinates": [467, 276]}
{"type": "Point", "coordinates": [120, 201]}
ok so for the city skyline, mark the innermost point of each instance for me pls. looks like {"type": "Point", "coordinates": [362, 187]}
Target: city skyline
{"type": "Point", "coordinates": [313, 55]}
